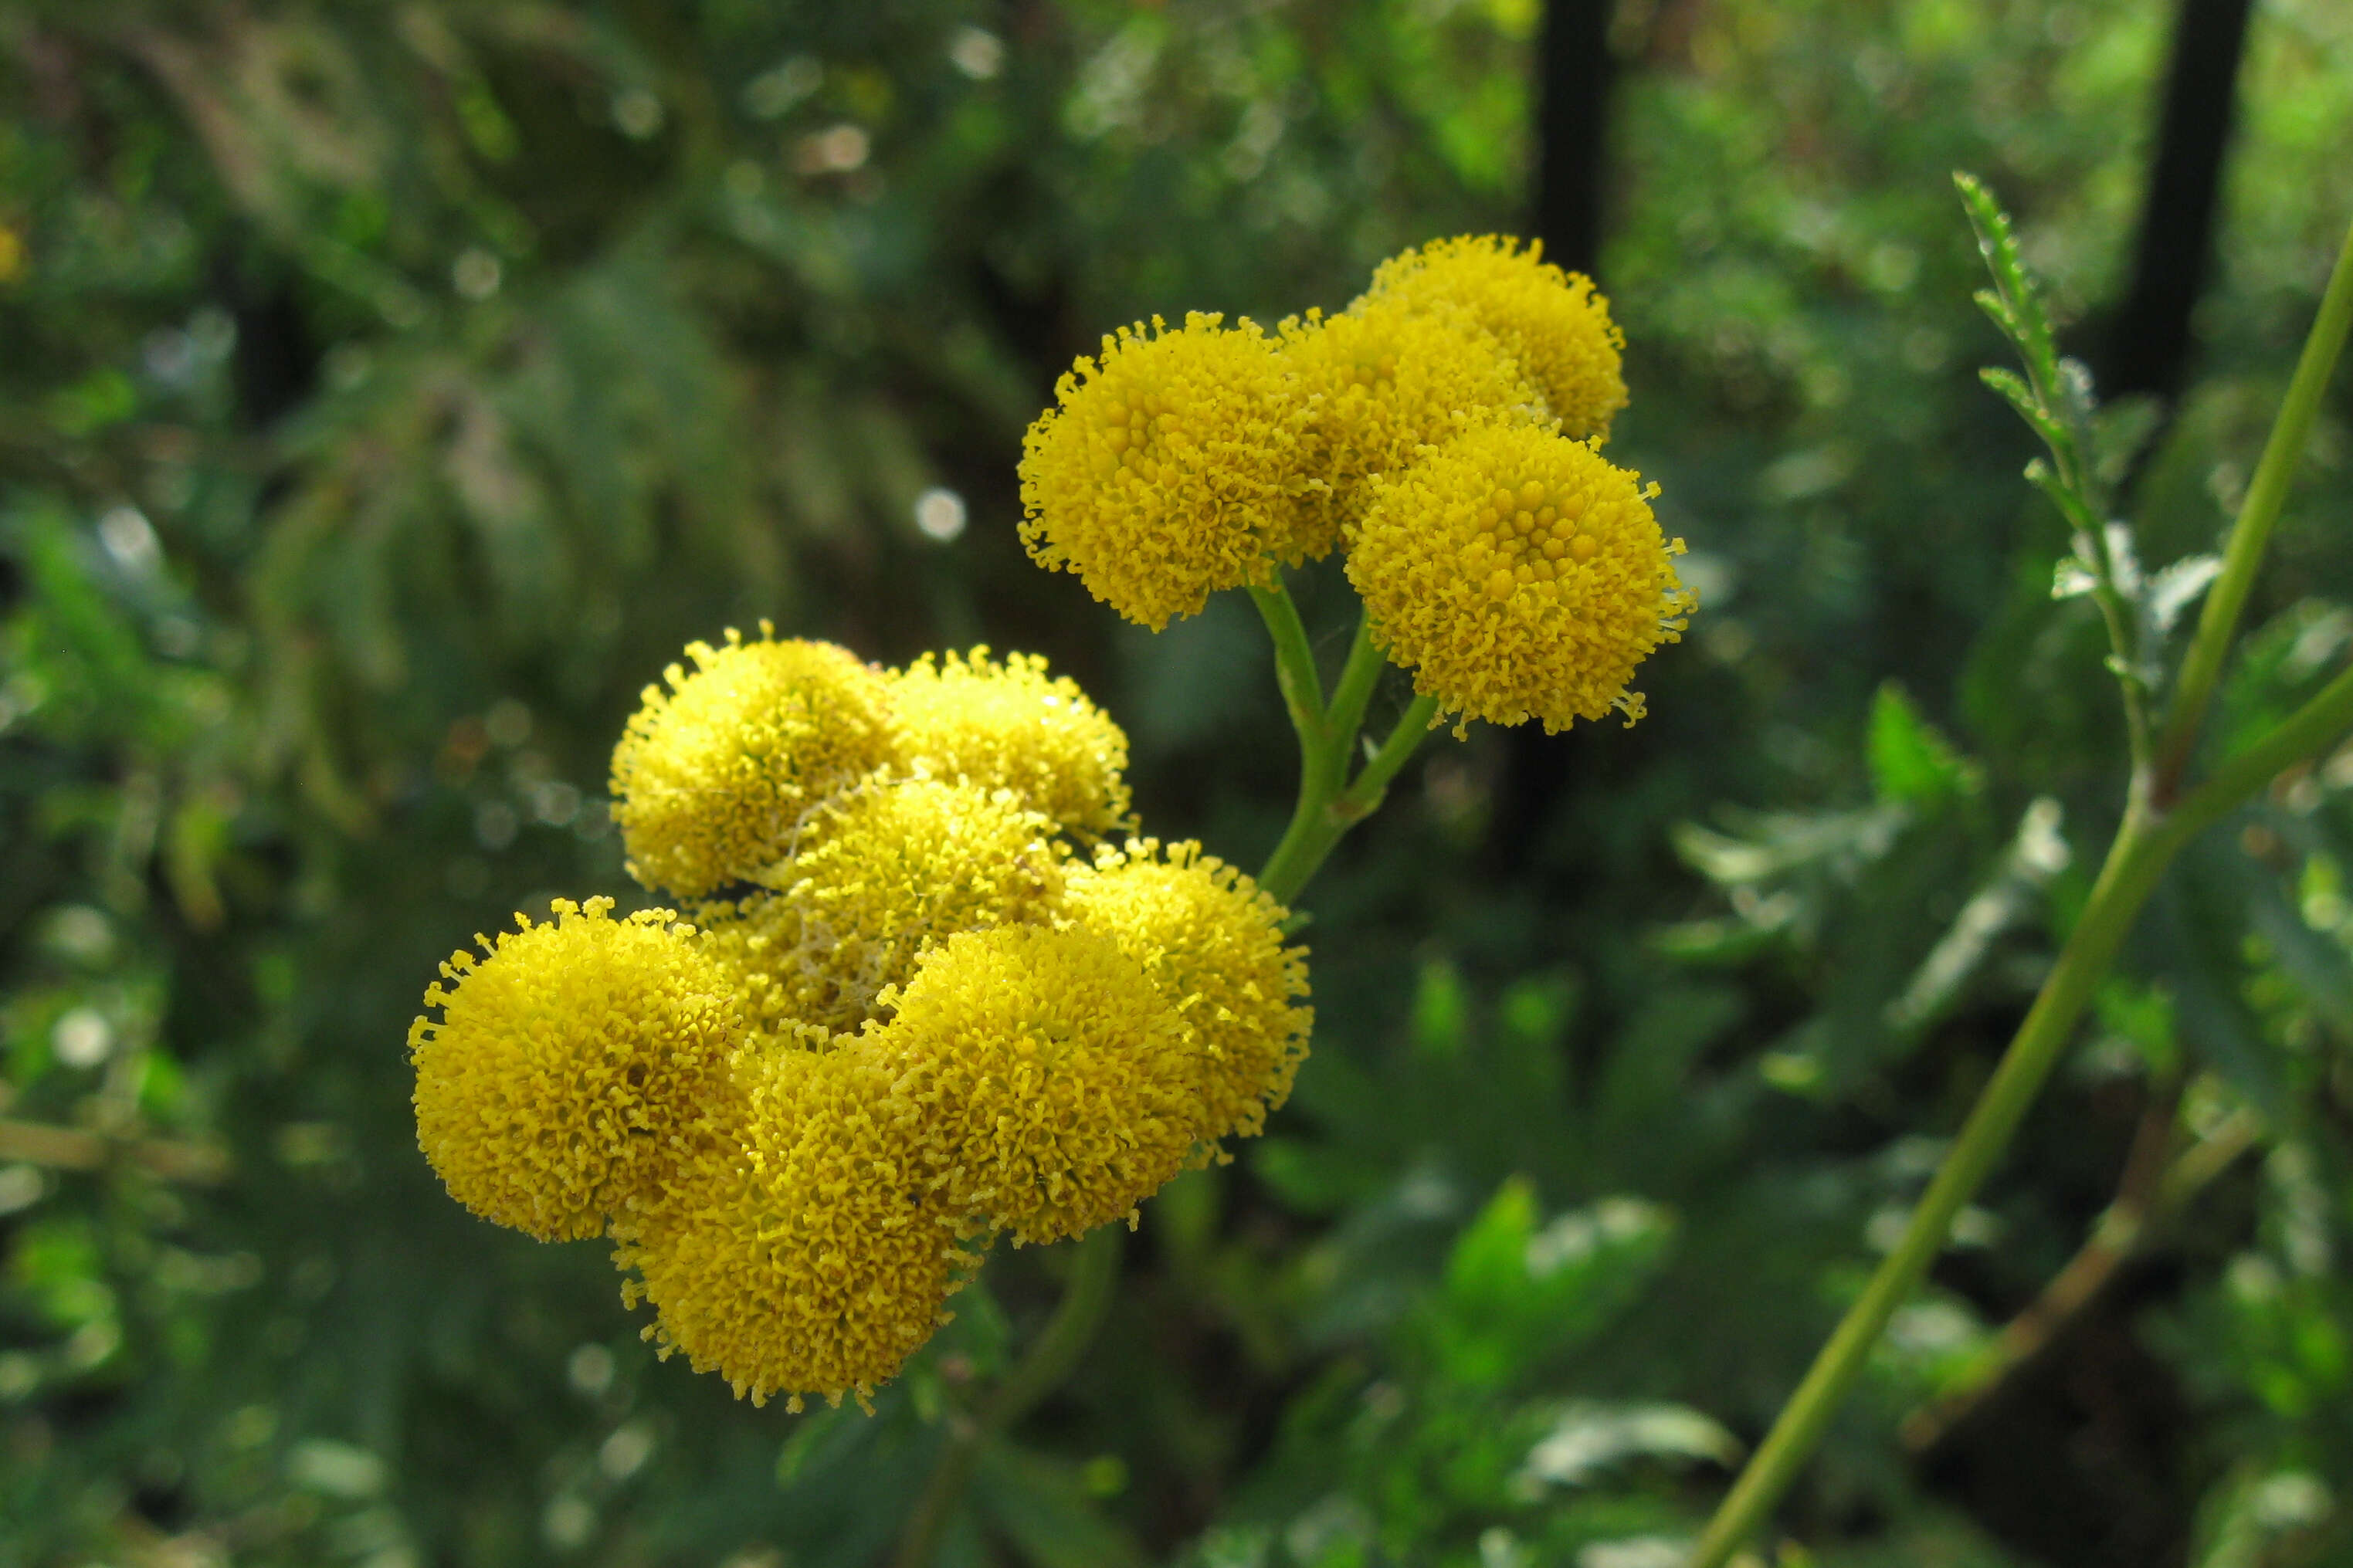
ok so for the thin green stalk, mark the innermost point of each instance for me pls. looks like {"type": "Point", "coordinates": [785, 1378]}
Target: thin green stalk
{"type": "Point", "coordinates": [1364, 796]}
{"type": "Point", "coordinates": [2154, 830]}
{"type": "Point", "coordinates": [1323, 761]}
{"type": "Point", "coordinates": [1294, 662]}
{"type": "Point", "coordinates": [2126, 646]}
{"type": "Point", "coordinates": [1087, 1296]}
{"type": "Point", "coordinates": [2218, 621]}
{"type": "Point", "coordinates": [1305, 843]}
{"type": "Point", "coordinates": [1322, 821]}
{"type": "Point", "coordinates": [2126, 881]}
{"type": "Point", "coordinates": [2205, 1161]}
{"type": "Point", "coordinates": [1355, 690]}
{"type": "Point", "coordinates": [2156, 1186]}
{"type": "Point", "coordinates": [1329, 803]}
{"type": "Point", "coordinates": [2307, 732]}
{"type": "Point", "coordinates": [2055, 401]}
{"type": "Point", "coordinates": [2143, 846]}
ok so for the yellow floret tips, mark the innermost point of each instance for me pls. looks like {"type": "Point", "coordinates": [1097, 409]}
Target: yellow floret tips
{"type": "Point", "coordinates": [881, 874]}
{"type": "Point", "coordinates": [1382, 382]}
{"type": "Point", "coordinates": [1552, 322]}
{"type": "Point", "coordinates": [1519, 575]}
{"type": "Point", "coordinates": [573, 1067]}
{"type": "Point", "coordinates": [808, 1260]}
{"type": "Point", "coordinates": [1211, 943]}
{"type": "Point", "coordinates": [1169, 469]}
{"type": "Point", "coordinates": [1052, 1082]}
{"type": "Point", "coordinates": [713, 775]}
{"type": "Point", "coordinates": [1008, 725]}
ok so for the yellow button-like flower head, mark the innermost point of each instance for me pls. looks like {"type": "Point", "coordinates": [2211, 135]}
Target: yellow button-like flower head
{"type": "Point", "coordinates": [806, 1259]}
{"type": "Point", "coordinates": [878, 874]}
{"type": "Point", "coordinates": [713, 776]}
{"type": "Point", "coordinates": [1519, 575]}
{"type": "Point", "coordinates": [1551, 321]}
{"type": "Point", "coordinates": [1011, 726]}
{"type": "Point", "coordinates": [1170, 469]}
{"type": "Point", "coordinates": [1052, 1083]}
{"type": "Point", "coordinates": [1382, 383]}
{"type": "Point", "coordinates": [1211, 943]}
{"type": "Point", "coordinates": [572, 1067]}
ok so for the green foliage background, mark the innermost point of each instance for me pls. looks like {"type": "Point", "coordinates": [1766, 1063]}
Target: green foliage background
{"type": "Point", "coordinates": [387, 391]}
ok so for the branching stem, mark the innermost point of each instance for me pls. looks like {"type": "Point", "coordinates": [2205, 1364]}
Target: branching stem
{"type": "Point", "coordinates": [2154, 827]}
{"type": "Point", "coordinates": [1330, 803]}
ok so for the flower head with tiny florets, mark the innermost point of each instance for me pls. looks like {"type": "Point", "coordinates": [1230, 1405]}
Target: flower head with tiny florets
{"type": "Point", "coordinates": [1552, 322]}
{"type": "Point", "coordinates": [1211, 943]}
{"type": "Point", "coordinates": [1519, 575]}
{"type": "Point", "coordinates": [1168, 467]}
{"type": "Point", "coordinates": [806, 1258]}
{"type": "Point", "coordinates": [1051, 1077]}
{"type": "Point", "coordinates": [713, 776]}
{"type": "Point", "coordinates": [1008, 725]}
{"type": "Point", "coordinates": [573, 1065]}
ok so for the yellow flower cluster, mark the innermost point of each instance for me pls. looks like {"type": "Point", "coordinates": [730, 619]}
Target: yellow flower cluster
{"type": "Point", "coordinates": [1184, 462]}
{"type": "Point", "coordinates": [1383, 381]}
{"type": "Point", "coordinates": [924, 1002]}
{"type": "Point", "coordinates": [804, 1260]}
{"type": "Point", "coordinates": [1052, 1077]}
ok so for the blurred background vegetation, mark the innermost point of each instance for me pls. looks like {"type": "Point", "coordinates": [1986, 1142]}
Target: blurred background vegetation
{"type": "Point", "coordinates": [388, 391]}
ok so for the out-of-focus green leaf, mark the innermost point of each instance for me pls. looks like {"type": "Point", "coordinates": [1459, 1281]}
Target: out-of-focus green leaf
{"type": "Point", "coordinates": [1517, 1290]}
{"type": "Point", "coordinates": [1911, 763]}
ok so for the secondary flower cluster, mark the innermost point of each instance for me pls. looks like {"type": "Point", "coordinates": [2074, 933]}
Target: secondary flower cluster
{"type": "Point", "coordinates": [1445, 431]}
{"type": "Point", "coordinates": [921, 999]}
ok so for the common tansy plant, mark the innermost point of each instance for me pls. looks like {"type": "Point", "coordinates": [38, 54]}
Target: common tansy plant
{"type": "Point", "coordinates": [923, 987]}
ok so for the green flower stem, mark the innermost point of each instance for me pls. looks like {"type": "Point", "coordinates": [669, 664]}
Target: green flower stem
{"type": "Point", "coordinates": [1329, 803]}
{"type": "Point", "coordinates": [1324, 818]}
{"type": "Point", "coordinates": [2052, 406]}
{"type": "Point", "coordinates": [1357, 679]}
{"type": "Point", "coordinates": [2218, 621]}
{"type": "Point", "coordinates": [2147, 1202]}
{"type": "Point", "coordinates": [1086, 1298]}
{"type": "Point", "coordinates": [2126, 648]}
{"type": "Point", "coordinates": [2307, 732]}
{"type": "Point", "coordinates": [2144, 846]}
{"type": "Point", "coordinates": [1364, 797]}
{"type": "Point", "coordinates": [1294, 662]}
